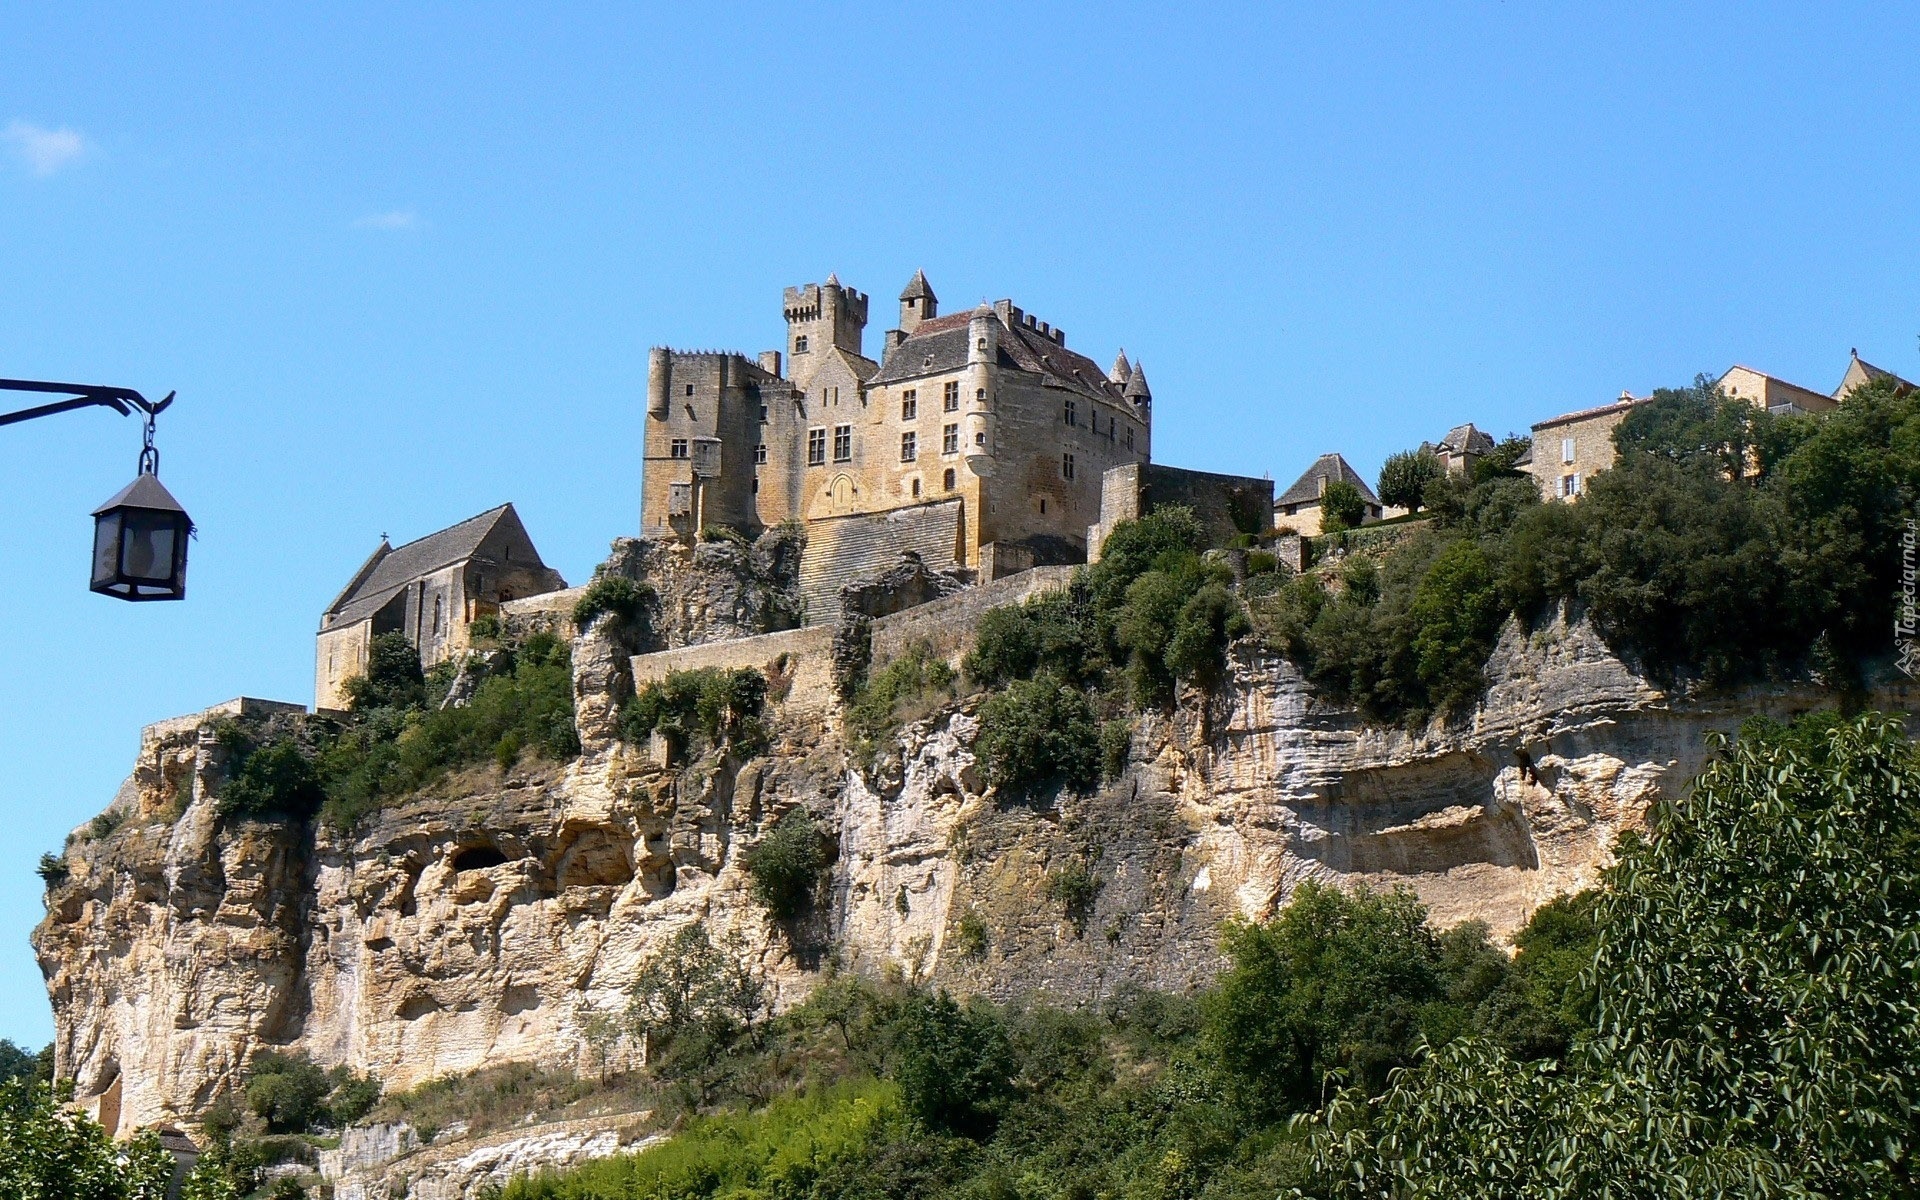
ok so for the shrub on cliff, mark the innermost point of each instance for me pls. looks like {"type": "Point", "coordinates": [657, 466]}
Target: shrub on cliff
{"type": "Point", "coordinates": [707, 704]}
{"type": "Point", "coordinates": [787, 865]}
{"type": "Point", "coordinates": [1036, 734]}
{"type": "Point", "coordinates": [910, 687]}
{"type": "Point", "coordinates": [627, 602]}
{"type": "Point", "coordinates": [274, 779]}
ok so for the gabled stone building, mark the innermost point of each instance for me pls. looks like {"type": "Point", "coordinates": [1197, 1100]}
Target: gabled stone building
{"type": "Point", "coordinates": [432, 590]}
{"type": "Point", "coordinates": [978, 440]}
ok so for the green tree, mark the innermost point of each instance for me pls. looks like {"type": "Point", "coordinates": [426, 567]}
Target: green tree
{"type": "Point", "coordinates": [1404, 478]}
{"type": "Point", "coordinates": [1335, 984]}
{"type": "Point", "coordinates": [51, 1152]}
{"type": "Point", "coordinates": [1341, 506]}
{"type": "Point", "coordinates": [1754, 1031]}
{"type": "Point", "coordinates": [956, 1065]}
{"type": "Point", "coordinates": [287, 1091]}
{"type": "Point", "coordinates": [393, 679]}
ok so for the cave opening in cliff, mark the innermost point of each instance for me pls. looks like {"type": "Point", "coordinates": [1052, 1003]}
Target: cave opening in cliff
{"type": "Point", "coordinates": [478, 858]}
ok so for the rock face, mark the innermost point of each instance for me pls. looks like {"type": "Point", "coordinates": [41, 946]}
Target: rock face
{"type": "Point", "coordinates": [487, 921]}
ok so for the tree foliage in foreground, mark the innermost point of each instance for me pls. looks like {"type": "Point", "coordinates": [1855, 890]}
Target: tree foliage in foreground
{"type": "Point", "coordinates": [1757, 1028]}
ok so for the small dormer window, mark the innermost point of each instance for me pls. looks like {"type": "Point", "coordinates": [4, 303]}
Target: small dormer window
{"type": "Point", "coordinates": [800, 344]}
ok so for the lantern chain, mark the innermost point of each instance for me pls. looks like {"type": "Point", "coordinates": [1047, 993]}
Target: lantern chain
{"type": "Point", "coordinates": [149, 454]}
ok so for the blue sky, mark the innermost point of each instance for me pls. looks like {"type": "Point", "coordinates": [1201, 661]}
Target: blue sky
{"type": "Point", "coordinates": [404, 262]}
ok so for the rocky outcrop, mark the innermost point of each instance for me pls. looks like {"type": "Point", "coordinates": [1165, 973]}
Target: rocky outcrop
{"type": "Point", "coordinates": [717, 590]}
{"type": "Point", "coordinates": [386, 1161]}
{"type": "Point", "coordinates": [487, 921]}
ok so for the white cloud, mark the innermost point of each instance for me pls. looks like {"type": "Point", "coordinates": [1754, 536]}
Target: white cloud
{"type": "Point", "coordinates": [397, 219]}
{"type": "Point", "coordinates": [45, 151]}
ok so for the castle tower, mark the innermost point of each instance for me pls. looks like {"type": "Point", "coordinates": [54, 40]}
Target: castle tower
{"type": "Point", "coordinates": [821, 316]}
{"type": "Point", "coordinates": [917, 303]}
{"type": "Point", "coordinates": [983, 351]}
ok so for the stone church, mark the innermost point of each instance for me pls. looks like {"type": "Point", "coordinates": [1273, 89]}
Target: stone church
{"type": "Point", "coordinates": [977, 439]}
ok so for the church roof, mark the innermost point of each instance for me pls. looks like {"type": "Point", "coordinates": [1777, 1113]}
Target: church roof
{"type": "Point", "coordinates": [1306, 489]}
{"type": "Point", "coordinates": [391, 568]}
{"type": "Point", "coordinates": [939, 347]}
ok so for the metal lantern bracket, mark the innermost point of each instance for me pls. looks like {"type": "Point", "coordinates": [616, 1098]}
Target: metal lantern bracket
{"type": "Point", "coordinates": [141, 534]}
{"type": "Point", "coordinates": [82, 395]}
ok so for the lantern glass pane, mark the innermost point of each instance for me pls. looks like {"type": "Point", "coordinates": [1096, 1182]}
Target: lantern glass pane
{"type": "Point", "coordinates": [106, 547]}
{"type": "Point", "coordinates": [146, 546]}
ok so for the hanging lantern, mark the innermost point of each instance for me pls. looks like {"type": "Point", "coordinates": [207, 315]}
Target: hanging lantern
{"type": "Point", "coordinates": [140, 537]}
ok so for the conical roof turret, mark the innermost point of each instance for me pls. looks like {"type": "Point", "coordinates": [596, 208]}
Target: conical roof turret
{"type": "Point", "coordinates": [1122, 370]}
{"type": "Point", "coordinates": [918, 288]}
{"type": "Point", "coordinates": [1137, 389]}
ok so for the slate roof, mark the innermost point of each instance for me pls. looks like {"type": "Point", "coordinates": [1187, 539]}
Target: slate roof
{"type": "Point", "coordinates": [939, 347]}
{"type": "Point", "coordinates": [1306, 489]}
{"type": "Point", "coordinates": [1465, 439]}
{"type": "Point", "coordinates": [918, 288]}
{"type": "Point", "coordinates": [1620, 405]}
{"type": "Point", "coordinates": [391, 568]}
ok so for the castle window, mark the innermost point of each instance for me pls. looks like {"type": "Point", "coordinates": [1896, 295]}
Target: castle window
{"type": "Point", "coordinates": [677, 448]}
{"type": "Point", "coordinates": [1066, 467]}
{"type": "Point", "coordinates": [800, 344]}
{"type": "Point", "coordinates": [760, 453]}
{"type": "Point", "coordinates": [980, 438]}
{"type": "Point", "coordinates": [948, 478]}
{"type": "Point", "coordinates": [916, 489]}
{"type": "Point", "coordinates": [1129, 437]}
{"type": "Point", "coordinates": [843, 443]}
{"type": "Point", "coordinates": [833, 396]}
{"type": "Point", "coordinates": [438, 609]}
{"type": "Point", "coordinates": [756, 485]}
{"type": "Point", "coordinates": [909, 447]}
{"type": "Point", "coordinates": [816, 447]}
{"type": "Point", "coordinates": [763, 412]}
{"type": "Point", "coordinates": [980, 395]}
{"type": "Point", "coordinates": [1043, 506]}
{"type": "Point", "coordinates": [1566, 450]}
{"type": "Point", "coordinates": [950, 397]}
{"type": "Point", "coordinates": [982, 343]}
{"type": "Point", "coordinates": [1071, 413]}
{"type": "Point", "coordinates": [689, 389]}
{"type": "Point", "coordinates": [909, 404]}
{"type": "Point", "coordinates": [949, 439]}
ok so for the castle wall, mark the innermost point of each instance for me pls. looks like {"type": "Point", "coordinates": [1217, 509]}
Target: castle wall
{"type": "Point", "coordinates": [841, 550]}
{"type": "Point", "coordinates": [1226, 505]}
{"type": "Point", "coordinates": [946, 627]}
{"type": "Point", "coordinates": [798, 663]}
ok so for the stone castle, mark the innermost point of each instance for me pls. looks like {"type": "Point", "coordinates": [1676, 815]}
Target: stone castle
{"type": "Point", "coordinates": [978, 440]}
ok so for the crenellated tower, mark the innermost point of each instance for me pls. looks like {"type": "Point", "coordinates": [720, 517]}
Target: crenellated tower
{"type": "Point", "coordinates": [820, 317]}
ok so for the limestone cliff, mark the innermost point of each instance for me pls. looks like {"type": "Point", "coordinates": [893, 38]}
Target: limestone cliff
{"type": "Point", "coordinates": [479, 923]}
